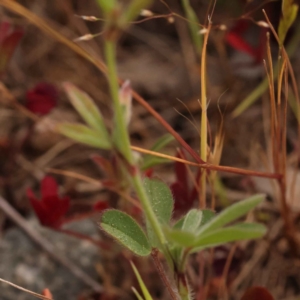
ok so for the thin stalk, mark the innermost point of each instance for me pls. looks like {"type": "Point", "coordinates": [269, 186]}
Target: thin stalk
{"type": "Point", "coordinates": [203, 137]}
{"type": "Point", "coordinates": [262, 87]}
{"type": "Point", "coordinates": [285, 210]}
{"type": "Point", "coordinates": [121, 127]}
{"type": "Point", "coordinates": [163, 275]}
{"type": "Point", "coordinates": [110, 55]}
{"type": "Point", "coordinates": [210, 167]}
{"type": "Point", "coordinates": [223, 290]}
{"type": "Point", "coordinates": [274, 122]}
{"type": "Point", "coordinates": [183, 287]}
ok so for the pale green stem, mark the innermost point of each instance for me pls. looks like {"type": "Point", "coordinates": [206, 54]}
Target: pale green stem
{"type": "Point", "coordinates": [110, 54]}
{"type": "Point", "coordinates": [183, 289]}
{"type": "Point", "coordinates": [203, 144]}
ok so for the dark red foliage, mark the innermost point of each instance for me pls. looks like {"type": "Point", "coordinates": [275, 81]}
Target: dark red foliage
{"type": "Point", "coordinates": [235, 39]}
{"type": "Point", "coordinates": [42, 98]}
{"type": "Point", "coordinates": [10, 37]}
{"type": "Point", "coordinates": [50, 209]}
{"type": "Point", "coordinates": [108, 167]}
{"type": "Point", "coordinates": [99, 206]}
{"type": "Point", "coordinates": [148, 173]}
{"type": "Point", "coordinates": [184, 195]}
{"type": "Point", "coordinates": [257, 293]}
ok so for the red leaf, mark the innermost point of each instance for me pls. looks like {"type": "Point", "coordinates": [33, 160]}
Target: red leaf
{"type": "Point", "coordinates": [149, 173]}
{"type": "Point", "coordinates": [42, 98]}
{"type": "Point", "coordinates": [184, 196]}
{"type": "Point", "coordinates": [257, 293]}
{"type": "Point", "coordinates": [236, 42]}
{"type": "Point", "coordinates": [51, 209]}
{"type": "Point", "coordinates": [100, 205]}
{"type": "Point", "coordinates": [235, 39]}
{"type": "Point", "coordinates": [104, 164]}
{"type": "Point", "coordinates": [240, 27]}
{"type": "Point", "coordinates": [10, 37]}
{"type": "Point", "coordinates": [49, 187]}
{"type": "Point", "coordinates": [182, 201]}
{"type": "Point", "coordinates": [180, 169]}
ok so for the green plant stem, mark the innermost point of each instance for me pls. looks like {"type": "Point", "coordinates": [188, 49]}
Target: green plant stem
{"type": "Point", "coordinates": [121, 127]}
{"type": "Point", "coordinates": [183, 288]}
{"type": "Point", "coordinates": [110, 54]}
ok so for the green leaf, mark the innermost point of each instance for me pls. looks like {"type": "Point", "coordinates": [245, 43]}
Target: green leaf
{"type": "Point", "coordinates": [180, 237]}
{"type": "Point", "coordinates": [207, 215]}
{"type": "Point", "coordinates": [289, 14]}
{"type": "Point", "coordinates": [86, 107]}
{"type": "Point", "coordinates": [143, 287]}
{"type": "Point", "coordinates": [193, 22]}
{"type": "Point", "coordinates": [238, 232]}
{"type": "Point", "coordinates": [179, 223]}
{"type": "Point", "coordinates": [232, 213]}
{"type": "Point", "coordinates": [184, 230]}
{"type": "Point", "coordinates": [161, 201]}
{"type": "Point", "coordinates": [83, 134]}
{"type": "Point", "coordinates": [192, 220]}
{"type": "Point", "coordinates": [107, 5]}
{"type": "Point", "coordinates": [125, 230]}
{"type": "Point", "coordinates": [151, 160]}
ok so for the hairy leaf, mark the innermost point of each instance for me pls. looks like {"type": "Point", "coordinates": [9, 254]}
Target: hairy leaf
{"type": "Point", "coordinates": [231, 213]}
{"type": "Point", "coordinates": [207, 215]}
{"type": "Point", "coordinates": [238, 232]}
{"type": "Point", "coordinates": [161, 199]}
{"type": "Point", "coordinates": [180, 237]}
{"type": "Point", "coordinates": [86, 107]}
{"type": "Point", "coordinates": [162, 204]}
{"type": "Point", "coordinates": [192, 220]}
{"type": "Point", "coordinates": [83, 134]}
{"type": "Point", "coordinates": [125, 230]}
